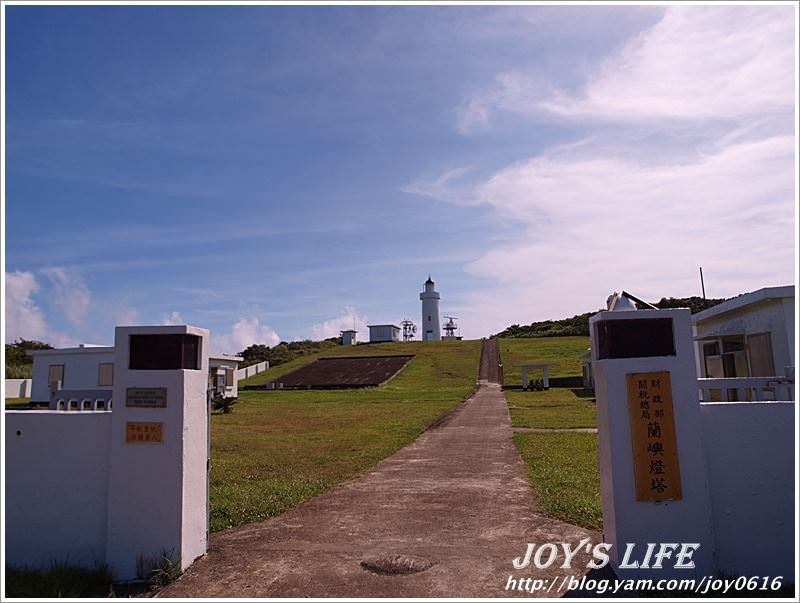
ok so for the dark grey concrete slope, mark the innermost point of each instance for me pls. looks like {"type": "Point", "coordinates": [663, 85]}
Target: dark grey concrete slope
{"type": "Point", "coordinates": [443, 517]}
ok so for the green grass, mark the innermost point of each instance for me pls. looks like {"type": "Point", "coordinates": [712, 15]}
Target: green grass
{"type": "Point", "coordinates": [564, 475]}
{"type": "Point", "coordinates": [59, 580]}
{"type": "Point", "coordinates": [279, 448]}
{"type": "Point", "coordinates": [556, 408]}
{"type": "Point", "coordinates": [564, 352]}
{"type": "Point", "coordinates": [16, 403]}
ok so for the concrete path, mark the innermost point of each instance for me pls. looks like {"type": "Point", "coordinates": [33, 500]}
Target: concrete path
{"type": "Point", "coordinates": [443, 517]}
{"type": "Point", "coordinates": [546, 430]}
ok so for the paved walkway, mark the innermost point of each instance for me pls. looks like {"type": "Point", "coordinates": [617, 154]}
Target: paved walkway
{"type": "Point", "coordinates": [547, 430]}
{"type": "Point", "coordinates": [455, 504]}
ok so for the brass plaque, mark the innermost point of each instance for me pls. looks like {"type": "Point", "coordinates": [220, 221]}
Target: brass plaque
{"type": "Point", "coordinates": [144, 433]}
{"type": "Point", "coordinates": [655, 449]}
{"type": "Point", "coordinates": [146, 397]}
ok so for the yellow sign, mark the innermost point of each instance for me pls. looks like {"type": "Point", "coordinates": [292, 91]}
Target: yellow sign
{"type": "Point", "coordinates": [144, 433]}
{"type": "Point", "coordinates": [655, 449]}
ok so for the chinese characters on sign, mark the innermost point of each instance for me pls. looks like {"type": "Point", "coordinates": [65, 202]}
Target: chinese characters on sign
{"type": "Point", "coordinates": [655, 450]}
{"type": "Point", "coordinates": [146, 397]}
{"type": "Point", "coordinates": [144, 433]}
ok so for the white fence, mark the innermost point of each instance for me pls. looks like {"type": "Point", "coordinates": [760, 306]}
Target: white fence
{"type": "Point", "coordinates": [249, 371]}
{"type": "Point", "coordinates": [750, 461]}
{"type": "Point", "coordinates": [57, 467]}
{"type": "Point", "coordinates": [18, 388]}
{"type": "Point", "coordinates": [746, 389]}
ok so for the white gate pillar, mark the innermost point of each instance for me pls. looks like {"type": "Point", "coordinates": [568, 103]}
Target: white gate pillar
{"type": "Point", "coordinates": [653, 479]}
{"type": "Point", "coordinates": [158, 486]}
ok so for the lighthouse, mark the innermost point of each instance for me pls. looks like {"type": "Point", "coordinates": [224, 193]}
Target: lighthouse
{"type": "Point", "coordinates": [430, 312]}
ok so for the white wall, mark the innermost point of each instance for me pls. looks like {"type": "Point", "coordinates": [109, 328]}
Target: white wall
{"type": "Point", "coordinates": [383, 333]}
{"type": "Point", "coordinates": [751, 473]}
{"type": "Point", "coordinates": [18, 388]}
{"type": "Point", "coordinates": [81, 366]}
{"type": "Point", "coordinates": [253, 369]}
{"type": "Point", "coordinates": [56, 486]}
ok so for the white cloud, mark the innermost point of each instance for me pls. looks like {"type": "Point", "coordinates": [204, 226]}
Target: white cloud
{"type": "Point", "coordinates": [24, 319]}
{"type": "Point", "coordinates": [243, 334]}
{"type": "Point", "coordinates": [697, 63]}
{"type": "Point", "coordinates": [348, 319]}
{"type": "Point", "coordinates": [69, 293]}
{"type": "Point", "coordinates": [698, 169]}
{"type": "Point", "coordinates": [174, 318]}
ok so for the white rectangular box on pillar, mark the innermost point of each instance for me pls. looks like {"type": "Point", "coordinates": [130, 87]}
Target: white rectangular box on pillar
{"type": "Point", "coordinates": [158, 481]}
{"type": "Point", "coordinates": [653, 479]}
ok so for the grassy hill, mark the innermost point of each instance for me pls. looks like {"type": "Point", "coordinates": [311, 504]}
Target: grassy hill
{"type": "Point", "coordinates": [578, 325]}
{"type": "Point", "coordinates": [279, 448]}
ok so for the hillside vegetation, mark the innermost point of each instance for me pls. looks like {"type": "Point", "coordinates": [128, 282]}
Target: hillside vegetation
{"type": "Point", "coordinates": [18, 364]}
{"type": "Point", "coordinates": [579, 325]}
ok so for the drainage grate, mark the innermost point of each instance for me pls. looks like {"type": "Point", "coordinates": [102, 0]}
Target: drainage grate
{"type": "Point", "coordinates": [396, 565]}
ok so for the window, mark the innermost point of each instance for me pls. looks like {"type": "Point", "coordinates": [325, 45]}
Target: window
{"type": "Point", "coordinates": [760, 350]}
{"type": "Point", "coordinates": [429, 317]}
{"type": "Point", "coordinates": [639, 338]}
{"type": "Point", "coordinates": [229, 377]}
{"type": "Point", "coordinates": [55, 373]}
{"type": "Point", "coordinates": [106, 374]}
{"type": "Point", "coordinates": [164, 352]}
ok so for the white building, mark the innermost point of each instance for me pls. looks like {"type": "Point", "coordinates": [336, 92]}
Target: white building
{"type": "Point", "coordinates": [222, 379]}
{"type": "Point", "coordinates": [85, 372]}
{"type": "Point", "coordinates": [85, 376]}
{"type": "Point", "coordinates": [349, 337]}
{"type": "Point", "coordinates": [431, 329]}
{"type": "Point", "coordinates": [751, 335]}
{"type": "Point", "coordinates": [378, 333]}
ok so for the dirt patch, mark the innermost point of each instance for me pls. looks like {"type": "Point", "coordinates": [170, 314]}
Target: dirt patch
{"type": "Point", "coordinates": [347, 372]}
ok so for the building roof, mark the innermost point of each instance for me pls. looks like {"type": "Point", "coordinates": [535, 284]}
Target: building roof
{"type": "Point", "coordinates": [89, 349]}
{"type": "Point", "coordinates": [743, 300]}
{"type": "Point", "coordinates": [387, 325]}
{"type": "Point", "coordinates": [349, 331]}
{"type": "Point", "coordinates": [225, 357]}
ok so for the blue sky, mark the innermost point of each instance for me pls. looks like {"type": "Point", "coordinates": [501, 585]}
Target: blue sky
{"type": "Point", "coordinates": [276, 173]}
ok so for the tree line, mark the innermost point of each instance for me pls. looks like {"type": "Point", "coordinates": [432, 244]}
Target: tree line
{"type": "Point", "coordinates": [579, 324]}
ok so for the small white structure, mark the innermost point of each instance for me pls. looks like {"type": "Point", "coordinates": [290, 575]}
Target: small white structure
{"type": "Point", "coordinates": [586, 369]}
{"type": "Point", "coordinates": [124, 487]}
{"type": "Point", "coordinates": [533, 366]}
{"type": "Point", "coordinates": [431, 329]}
{"type": "Point", "coordinates": [749, 336]}
{"type": "Point", "coordinates": [378, 333]}
{"type": "Point", "coordinates": [349, 337]}
{"type": "Point", "coordinates": [222, 379]}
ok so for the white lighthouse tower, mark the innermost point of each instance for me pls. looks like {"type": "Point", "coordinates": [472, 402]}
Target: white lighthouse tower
{"type": "Point", "coordinates": [431, 331]}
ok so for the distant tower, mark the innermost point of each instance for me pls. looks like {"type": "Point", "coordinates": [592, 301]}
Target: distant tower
{"type": "Point", "coordinates": [409, 330]}
{"type": "Point", "coordinates": [431, 331]}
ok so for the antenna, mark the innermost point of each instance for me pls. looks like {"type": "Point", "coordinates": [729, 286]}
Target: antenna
{"type": "Point", "coordinates": [450, 327]}
{"type": "Point", "coordinates": [409, 329]}
{"type": "Point", "coordinates": [703, 287]}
